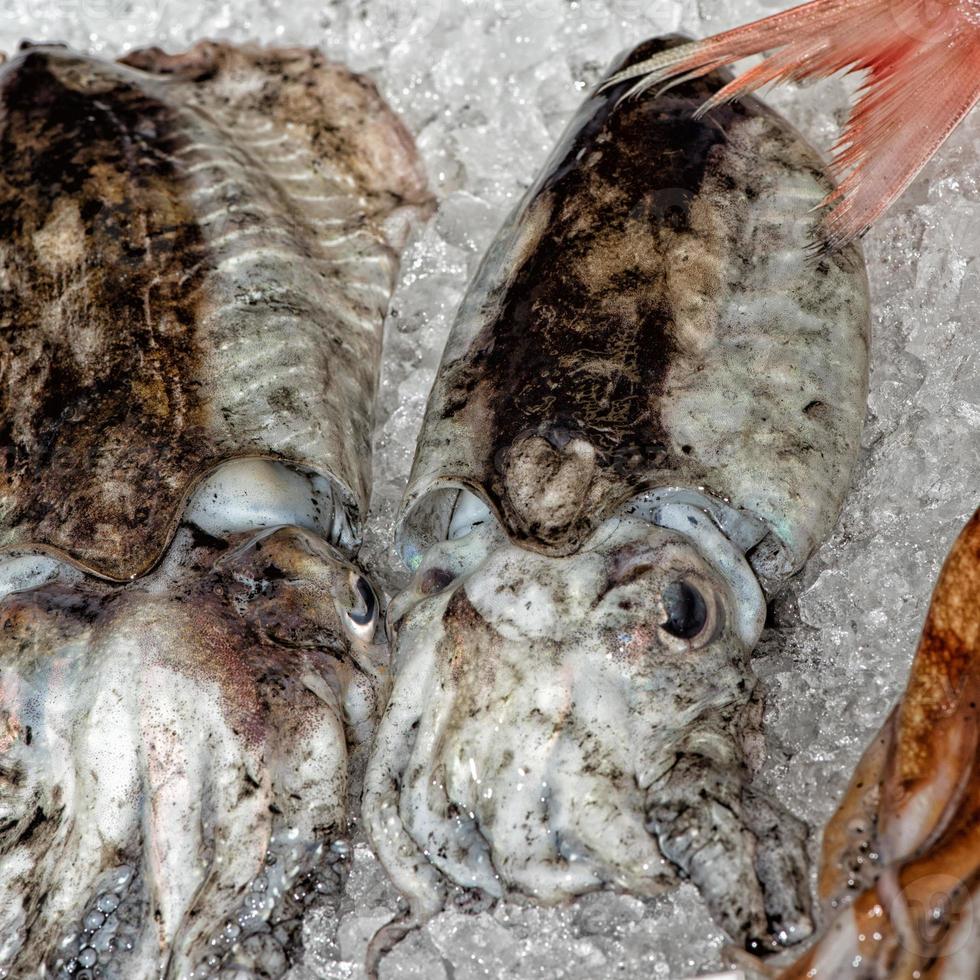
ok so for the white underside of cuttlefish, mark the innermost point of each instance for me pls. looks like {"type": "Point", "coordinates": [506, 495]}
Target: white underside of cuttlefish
{"type": "Point", "coordinates": [175, 751]}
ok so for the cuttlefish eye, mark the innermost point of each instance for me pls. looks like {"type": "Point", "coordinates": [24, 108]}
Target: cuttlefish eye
{"type": "Point", "coordinates": [687, 612]}
{"type": "Point", "coordinates": [362, 618]}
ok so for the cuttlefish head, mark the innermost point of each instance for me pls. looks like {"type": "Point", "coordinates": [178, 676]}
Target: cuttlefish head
{"type": "Point", "coordinates": [565, 723]}
{"type": "Point", "coordinates": [174, 755]}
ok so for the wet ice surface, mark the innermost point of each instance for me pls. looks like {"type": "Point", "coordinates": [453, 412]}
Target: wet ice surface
{"type": "Point", "coordinates": [487, 86]}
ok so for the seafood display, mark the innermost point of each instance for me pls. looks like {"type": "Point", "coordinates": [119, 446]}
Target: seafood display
{"type": "Point", "coordinates": [196, 254]}
{"type": "Point", "coordinates": [645, 421]}
{"type": "Point", "coordinates": [902, 115]}
{"type": "Point", "coordinates": [903, 850]}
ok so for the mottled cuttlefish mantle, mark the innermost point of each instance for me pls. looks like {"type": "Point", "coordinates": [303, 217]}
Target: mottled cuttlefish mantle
{"type": "Point", "coordinates": [196, 255]}
{"type": "Point", "coordinates": [645, 420]}
{"type": "Point", "coordinates": [197, 252]}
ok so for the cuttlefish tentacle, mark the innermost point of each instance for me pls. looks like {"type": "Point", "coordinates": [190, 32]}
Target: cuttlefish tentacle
{"type": "Point", "coordinates": [405, 861]}
{"type": "Point", "coordinates": [223, 683]}
{"type": "Point", "coordinates": [918, 788]}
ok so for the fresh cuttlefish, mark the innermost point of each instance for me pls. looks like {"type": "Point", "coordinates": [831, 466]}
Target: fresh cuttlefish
{"type": "Point", "coordinates": [196, 253]}
{"type": "Point", "coordinates": [922, 59]}
{"type": "Point", "coordinates": [645, 420]}
{"type": "Point", "coordinates": [903, 850]}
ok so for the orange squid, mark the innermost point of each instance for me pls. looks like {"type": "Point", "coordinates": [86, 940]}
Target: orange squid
{"type": "Point", "coordinates": [901, 857]}
{"type": "Point", "coordinates": [922, 59]}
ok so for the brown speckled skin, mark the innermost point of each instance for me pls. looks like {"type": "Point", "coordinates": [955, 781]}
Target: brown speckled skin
{"type": "Point", "coordinates": [251, 620]}
{"type": "Point", "coordinates": [126, 199]}
{"type": "Point", "coordinates": [181, 720]}
{"type": "Point", "coordinates": [648, 318]}
{"type": "Point", "coordinates": [915, 803]}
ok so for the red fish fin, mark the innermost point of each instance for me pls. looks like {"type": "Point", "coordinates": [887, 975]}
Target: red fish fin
{"type": "Point", "coordinates": [923, 63]}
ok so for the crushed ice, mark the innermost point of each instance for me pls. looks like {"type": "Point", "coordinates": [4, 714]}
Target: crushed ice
{"type": "Point", "coordinates": [487, 86]}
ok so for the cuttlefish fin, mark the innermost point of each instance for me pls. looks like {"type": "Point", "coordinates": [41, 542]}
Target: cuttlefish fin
{"type": "Point", "coordinates": [918, 917]}
{"type": "Point", "coordinates": [922, 59]}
